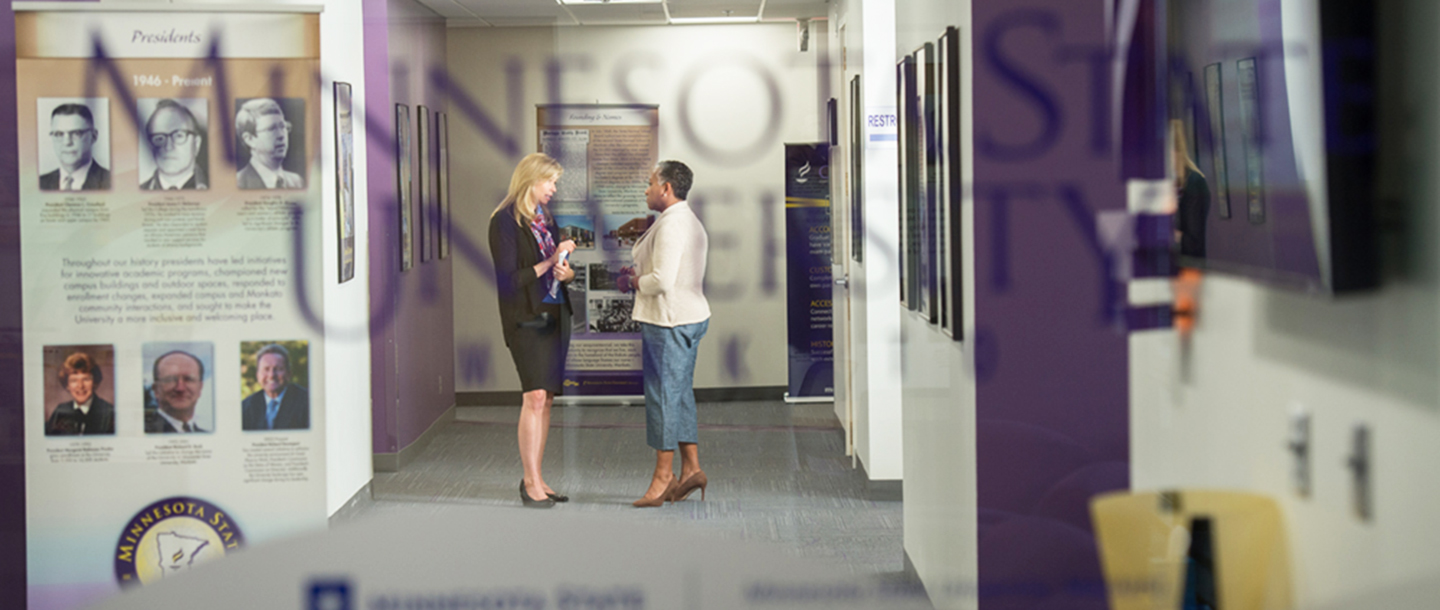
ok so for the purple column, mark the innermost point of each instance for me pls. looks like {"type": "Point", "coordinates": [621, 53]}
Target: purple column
{"type": "Point", "coordinates": [1052, 395]}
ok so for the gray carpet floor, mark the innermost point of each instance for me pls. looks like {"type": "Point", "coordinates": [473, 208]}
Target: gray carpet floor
{"type": "Point", "coordinates": [778, 475]}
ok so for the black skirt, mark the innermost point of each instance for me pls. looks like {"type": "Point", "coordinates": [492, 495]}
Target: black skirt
{"type": "Point", "coordinates": [539, 353]}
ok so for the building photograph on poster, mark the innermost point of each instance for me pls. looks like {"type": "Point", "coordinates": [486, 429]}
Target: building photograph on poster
{"type": "Point", "coordinates": [273, 378]}
{"type": "Point", "coordinates": [270, 143]}
{"type": "Point", "coordinates": [611, 315]}
{"type": "Point", "coordinates": [178, 395]}
{"type": "Point", "coordinates": [174, 152]}
{"type": "Point", "coordinates": [79, 390]}
{"type": "Point", "coordinates": [74, 144]}
{"type": "Point", "coordinates": [577, 228]}
{"type": "Point", "coordinates": [623, 230]}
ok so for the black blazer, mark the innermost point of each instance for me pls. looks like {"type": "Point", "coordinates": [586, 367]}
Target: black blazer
{"type": "Point", "coordinates": [66, 420]}
{"type": "Point", "coordinates": [97, 180]}
{"type": "Point", "coordinates": [294, 411]}
{"type": "Point", "coordinates": [515, 252]}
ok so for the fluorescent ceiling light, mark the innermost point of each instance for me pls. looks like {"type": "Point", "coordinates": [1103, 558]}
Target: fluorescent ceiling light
{"type": "Point", "coordinates": [698, 20]}
{"type": "Point", "coordinates": [611, 1]}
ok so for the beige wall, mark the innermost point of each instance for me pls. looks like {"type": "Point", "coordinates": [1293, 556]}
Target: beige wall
{"type": "Point", "coordinates": [723, 68]}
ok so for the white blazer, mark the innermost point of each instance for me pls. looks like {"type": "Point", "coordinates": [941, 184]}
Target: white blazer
{"type": "Point", "coordinates": [670, 270]}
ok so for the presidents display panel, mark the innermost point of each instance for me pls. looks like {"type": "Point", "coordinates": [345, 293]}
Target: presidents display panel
{"type": "Point", "coordinates": [170, 245]}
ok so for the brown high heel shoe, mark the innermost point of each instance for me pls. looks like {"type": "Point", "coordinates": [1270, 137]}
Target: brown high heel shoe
{"type": "Point", "coordinates": [666, 496]}
{"type": "Point", "coordinates": [688, 487]}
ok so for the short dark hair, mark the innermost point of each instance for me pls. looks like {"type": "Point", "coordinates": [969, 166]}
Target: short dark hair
{"type": "Point", "coordinates": [81, 110]}
{"type": "Point", "coordinates": [80, 362]}
{"type": "Point", "coordinates": [177, 107]}
{"type": "Point", "coordinates": [273, 348]}
{"type": "Point", "coordinates": [677, 175]}
{"type": "Point", "coordinates": [155, 368]}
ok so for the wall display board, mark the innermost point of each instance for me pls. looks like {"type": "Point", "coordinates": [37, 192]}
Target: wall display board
{"type": "Point", "coordinates": [608, 152]}
{"type": "Point", "coordinates": [809, 283]}
{"type": "Point", "coordinates": [170, 218]}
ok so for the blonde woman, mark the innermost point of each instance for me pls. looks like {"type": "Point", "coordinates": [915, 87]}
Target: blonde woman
{"type": "Point", "coordinates": [530, 276]}
{"type": "Point", "coordinates": [1192, 196]}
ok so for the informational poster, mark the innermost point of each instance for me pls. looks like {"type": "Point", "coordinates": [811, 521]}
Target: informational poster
{"type": "Point", "coordinates": [170, 192]}
{"type": "Point", "coordinates": [608, 152]}
{"type": "Point", "coordinates": [810, 320]}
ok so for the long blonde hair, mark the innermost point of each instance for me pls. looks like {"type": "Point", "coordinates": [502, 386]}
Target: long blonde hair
{"type": "Point", "coordinates": [1181, 151]}
{"type": "Point", "coordinates": [534, 168]}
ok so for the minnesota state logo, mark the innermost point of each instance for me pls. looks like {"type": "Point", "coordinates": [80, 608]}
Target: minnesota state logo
{"type": "Point", "coordinates": [172, 536]}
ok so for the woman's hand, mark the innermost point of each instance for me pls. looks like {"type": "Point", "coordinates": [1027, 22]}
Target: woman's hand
{"type": "Point", "coordinates": [564, 272]}
{"type": "Point", "coordinates": [565, 246]}
{"type": "Point", "coordinates": [625, 282]}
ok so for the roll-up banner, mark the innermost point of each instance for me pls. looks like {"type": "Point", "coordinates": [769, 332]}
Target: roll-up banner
{"type": "Point", "coordinates": [170, 184]}
{"type": "Point", "coordinates": [809, 318]}
{"type": "Point", "coordinates": [608, 151]}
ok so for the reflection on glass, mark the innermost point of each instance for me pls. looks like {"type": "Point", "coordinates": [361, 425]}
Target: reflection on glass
{"type": "Point", "coordinates": [1215, 101]}
{"type": "Point", "coordinates": [1250, 137]}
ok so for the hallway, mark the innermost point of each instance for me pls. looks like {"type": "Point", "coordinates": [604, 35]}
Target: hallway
{"type": "Point", "coordinates": [778, 474]}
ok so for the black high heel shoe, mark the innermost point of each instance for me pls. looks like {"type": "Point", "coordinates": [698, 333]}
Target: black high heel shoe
{"type": "Point", "coordinates": [529, 503]}
{"type": "Point", "coordinates": [559, 497]}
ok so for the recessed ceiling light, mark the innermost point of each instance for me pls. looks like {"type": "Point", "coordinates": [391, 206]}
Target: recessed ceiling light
{"type": "Point", "coordinates": [701, 20]}
{"type": "Point", "coordinates": [610, 1]}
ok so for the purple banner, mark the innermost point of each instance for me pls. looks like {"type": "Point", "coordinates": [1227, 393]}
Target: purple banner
{"type": "Point", "coordinates": [809, 317]}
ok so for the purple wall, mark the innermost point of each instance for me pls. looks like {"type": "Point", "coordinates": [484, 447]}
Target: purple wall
{"type": "Point", "coordinates": [1052, 391]}
{"type": "Point", "coordinates": [412, 335]}
{"type": "Point", "coordinates": [12, 378]}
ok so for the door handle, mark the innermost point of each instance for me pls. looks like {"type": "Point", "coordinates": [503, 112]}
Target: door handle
{"type": "Point", "coordinates": [842, 281]}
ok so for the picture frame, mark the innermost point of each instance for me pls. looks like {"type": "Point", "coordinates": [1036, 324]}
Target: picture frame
{"type": "Point", "coordinates": [345, 181]}
{"type": "Point", "coordinates": [442, 138]}
{"type": "Point", "coordinates": [1247, 83]}
{"type": "Point", "coordinates": [1215, 105]}
{"type": "Point", "coordinates": [925, 65]}
{"type": "Point", "coordinates": [909, 180]}
{"type": "Point", "coordinates": [857, 168]}
{"type": "Point", "coordinates": [403, 185]}
{"type": "Point", "coordinates": [951, 189]}
{"type": "Point", "coordinates": [427, 215]}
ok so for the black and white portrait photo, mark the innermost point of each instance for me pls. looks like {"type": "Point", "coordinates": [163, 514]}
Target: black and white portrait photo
{"type": "Point", "coordinates": [174, 144]}
{"type": "Point", "coordinates": [270, 143]}
{"type": "Point", "coordinates": [74, 144]}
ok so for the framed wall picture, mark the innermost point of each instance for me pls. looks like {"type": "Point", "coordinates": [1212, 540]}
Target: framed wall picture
{"type": "Point", "coordinates": [1215, 103]}
{"type": "Point", "coordinates": [427, 215]}
{"type": "Point", "coordinates": [1247, 81]}
{"type": "Point", "coordinates": [442, 138]}
{"type": "Point", "coordinates": [951, 189]}
{"type": "Point", "coordinates": [403, 185]}
{"type": "Point", "coordinates": [857, 167]}
{"type": "Point", "coordinates": [909, 151]}
{"type": "Point", "coordinates": [345, 180]}
{"type": "Point", "coordinates": [925, 66]}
